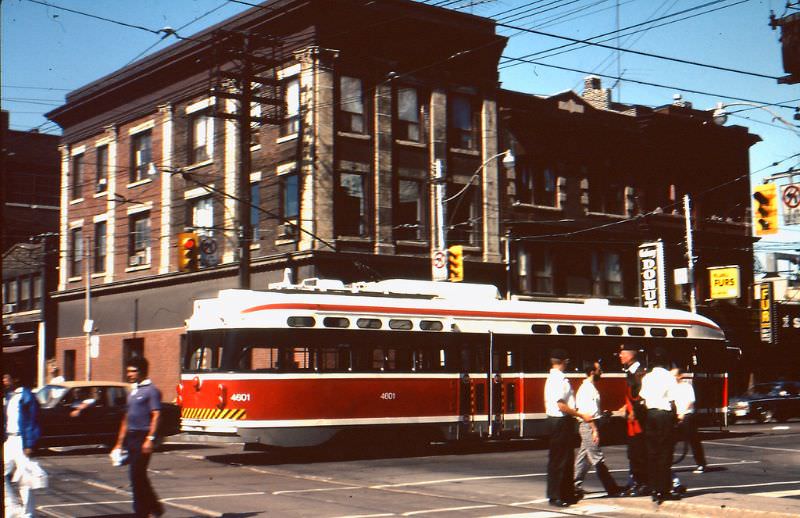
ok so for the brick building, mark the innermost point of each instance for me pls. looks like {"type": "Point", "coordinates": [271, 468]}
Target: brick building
{"type": "Point", "coordinates": [29, 165]}
{"type": "Point", "coordinates": [373, 98]}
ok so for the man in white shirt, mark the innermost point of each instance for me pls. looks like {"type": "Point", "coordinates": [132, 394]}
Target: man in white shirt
{"type": "Point", "coordinates": [587, 401]}
{"type": "Point", "coordinates": [687, 426]}
{"type": "Point", "coordinates": [658, 393]}
{"type": "Point", "coordinates": [635, 414]}
{"type": "Point", "coordinates": [559, 403]}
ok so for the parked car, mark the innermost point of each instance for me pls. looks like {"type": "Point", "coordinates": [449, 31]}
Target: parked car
{"type": "Point", "coordinates": [101, 404]}
{"type": "Point", "coordinates": [779, 400]}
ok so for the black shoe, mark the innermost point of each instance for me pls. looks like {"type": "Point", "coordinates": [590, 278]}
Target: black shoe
{"type": "Point", "coordinates": [579, 494]}
{"type": "Point", "coordinates": [616, 492]}
{"type": "Point", "coordinates": [557, 503]}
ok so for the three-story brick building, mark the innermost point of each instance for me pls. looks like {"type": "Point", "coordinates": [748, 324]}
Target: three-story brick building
{"type": "Point", "coordinates": [375, 100]}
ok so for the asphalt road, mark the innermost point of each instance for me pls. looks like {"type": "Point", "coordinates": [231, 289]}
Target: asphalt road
{"type": "Point", "coordinates": [375, 478]}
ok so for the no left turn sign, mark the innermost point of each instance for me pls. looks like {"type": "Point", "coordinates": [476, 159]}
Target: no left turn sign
{"type": "Point", "coordinates": [791, 196]}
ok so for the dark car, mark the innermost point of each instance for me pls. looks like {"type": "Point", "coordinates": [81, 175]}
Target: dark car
{"type": "Point", "coordinates": [779, 400]}
{"type": "Point", "coordinates": [90, 412]}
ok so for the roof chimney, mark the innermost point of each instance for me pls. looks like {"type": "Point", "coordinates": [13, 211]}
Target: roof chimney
{"type": "Point", "coordinates": [595, 94]}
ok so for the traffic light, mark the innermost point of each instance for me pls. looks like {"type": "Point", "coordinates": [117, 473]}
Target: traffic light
{"type": "Point", "coordinates": [765, 212]}
{"type": "Point", "coordinates": [455, 263]}
{"type": "Point", "coordinates": [188, 252]}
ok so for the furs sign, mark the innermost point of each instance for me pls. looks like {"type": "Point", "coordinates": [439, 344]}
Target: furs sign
{"type": "Point", "coordinates": [653, 292]}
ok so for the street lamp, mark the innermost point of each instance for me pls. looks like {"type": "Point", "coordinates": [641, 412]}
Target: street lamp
{"type": "Point", "coordinates": [720, 116]}
{"type": "Point", "coordinates": [441, 199]}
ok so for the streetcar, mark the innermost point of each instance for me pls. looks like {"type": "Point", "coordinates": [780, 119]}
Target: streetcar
{"type": "Point", "coordinates": [298, 364]}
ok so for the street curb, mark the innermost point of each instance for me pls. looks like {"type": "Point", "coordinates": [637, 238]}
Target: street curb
{"type": "Point", "coordinates": [711, 505]}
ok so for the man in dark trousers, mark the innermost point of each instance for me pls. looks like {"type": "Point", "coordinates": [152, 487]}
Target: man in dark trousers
{"type": "Point", "coordinates": [635, 413]}
{"type": "Point", "coordinates": [137, 434]}
{"type": "Point", "coordinates": [658, 392]}
{"type": "Point", "coordinates": [559, 403]}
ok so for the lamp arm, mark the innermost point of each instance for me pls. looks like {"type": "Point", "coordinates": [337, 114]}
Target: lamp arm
{"type": "Point", "coordinates": [474, 176]}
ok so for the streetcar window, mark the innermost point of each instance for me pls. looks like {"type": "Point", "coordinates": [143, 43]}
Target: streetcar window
{"type": "Point", "coordinates": [511, 398]}
{"type": "Point", "coordinates": [368, 323]}
{"type": "Point", "coordinates": [680, 333]}
{"type": "Point", "coordinates": [430, 325]}
{"type": "Point", "coordinates": [204, 358]}
{"type": "Point", "coordinates": [264, 358]}
{"type": "Point", "coordinates": [636, 331]}
{"type": "Point", "coordinates": [335, 322]}
{"type": "Point", "coordinates": [541, 329]}
{"type": "Point", "coordinates": [300, 322]}
{"type": "Point", "coordinates": [590, 330]}
{"type": "Point", "coordinates": [566, 330]}
{"type": "Point", "coordinates": [658, 332]}
{"type": "Point", "coordinates": [613, 331]}
{"type": "Point", "coordinates": [429, 360]}
{"type": "Point", "coordinates": [378, 359]}
{"type": "Point", "coordinates": [294, 358]}
{"type": "Point", "coordinates": [404, 325]}
{"type": "Point", "coordinates": [335, 359]}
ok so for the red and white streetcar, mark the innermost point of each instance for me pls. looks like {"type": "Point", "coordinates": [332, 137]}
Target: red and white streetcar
{"type": "Point", "coordinates": [298, 363]}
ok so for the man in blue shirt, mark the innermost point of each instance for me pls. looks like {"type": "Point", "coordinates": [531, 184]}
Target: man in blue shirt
{"type": "Point", "coordinates": [20, 433]}
{"type": "Point", "coordinates": [137, 434]}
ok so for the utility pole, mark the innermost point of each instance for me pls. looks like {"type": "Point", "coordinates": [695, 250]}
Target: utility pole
{"type": "Point", "coordinates": [687, 210]}
{"type": "Point", "coordinates": [245, 227]}
{"type": "Point", "coordinates": [244, 78]}
{"type": "Point", "coordinates": [88, 323]}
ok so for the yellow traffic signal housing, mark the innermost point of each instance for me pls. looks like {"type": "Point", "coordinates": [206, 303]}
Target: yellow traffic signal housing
{"type": "Point", "coordinates": [188, 252]}
{"type": "Point", "coordinates": [765, 210]}
{"type": "Point", "coordinates": [455, 263]}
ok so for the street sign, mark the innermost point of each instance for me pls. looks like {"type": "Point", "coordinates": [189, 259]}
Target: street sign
{"type": "Point", "coordinates": [652, 283]}
{"type": "Point", "coordinates": [439, 265]}
{"type": "Point", "coordinates": [724, 282]}
{"type": "Point", "coordinates": [791, 204]}
{"type": "Point", "coordinates": [766, 312]}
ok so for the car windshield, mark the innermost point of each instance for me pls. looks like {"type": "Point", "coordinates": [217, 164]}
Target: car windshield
{"type": "Point", "coordinates": [49, 395]}
{"type": "Point", "coordinates": [761, 390]}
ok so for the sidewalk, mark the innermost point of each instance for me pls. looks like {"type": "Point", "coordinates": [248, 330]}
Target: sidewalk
{"type": "Point", "coordinates": [708, 505]}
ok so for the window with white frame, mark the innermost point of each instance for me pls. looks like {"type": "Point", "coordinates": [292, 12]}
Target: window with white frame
{"type": "Point", "coordinates": [535, 269]}
{"type": "Point", "coordinates": [291, 119]}
{"type": "Point", "coordinates": [101, 171]}
{"type": "Point", "coordinates": [77, 176]}
{"type": "Point", "coordinates": [409, 117]}
{"type": "Point", "coordinates": [351, 204]}
{"type": "Point", "coordinates": [201, 137]}
{"type": "Point", "coordinates": [141, 155]}
{"type": "Point", "coordinates": [410, 217]}
{"type": "Point", "coordinates": [351, 105]}
{"type": "Point", "coordinates": [99, 255]}
{"type": "Point", "coordinates": [75, 252]}
{"type": "Point", "coordinates": [202, 216]}
{"type": "Point", "coordinates": [463, 122]}
{"type": "Point", "coordinates": [139, 238]}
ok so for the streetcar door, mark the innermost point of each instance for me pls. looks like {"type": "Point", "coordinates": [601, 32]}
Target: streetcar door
{"type": "Point", "coordinates": [506, 416]}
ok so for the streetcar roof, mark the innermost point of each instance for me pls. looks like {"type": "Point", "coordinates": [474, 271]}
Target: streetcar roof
{"type": "Point", "coordinates": [461, 308]}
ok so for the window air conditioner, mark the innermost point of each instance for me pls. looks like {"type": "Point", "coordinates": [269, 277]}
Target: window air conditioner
{"type": "Point", "coordinates": [9, 308]}
{"type": "Point", "coordinates": [137, 260]}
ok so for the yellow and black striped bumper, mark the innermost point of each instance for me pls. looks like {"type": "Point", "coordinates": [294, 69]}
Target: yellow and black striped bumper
{"type": "Point", "coordinates": [213, 413]}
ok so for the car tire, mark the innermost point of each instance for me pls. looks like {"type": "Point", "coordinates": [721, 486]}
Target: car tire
{"type": "Point", "coordinates": [764, 415]}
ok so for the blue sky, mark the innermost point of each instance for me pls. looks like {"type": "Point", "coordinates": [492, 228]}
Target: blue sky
{"type": "Point", "coordinates": [48, 51]}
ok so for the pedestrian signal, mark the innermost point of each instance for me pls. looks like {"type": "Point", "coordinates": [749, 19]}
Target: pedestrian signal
{"type": "Point", "coordinates": [455, 263]}
{"type": "Point", "coordinates": [188, 251]}
{"type": "Point", "coordinates": [765, 211]}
